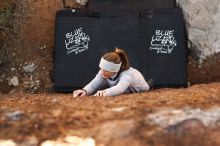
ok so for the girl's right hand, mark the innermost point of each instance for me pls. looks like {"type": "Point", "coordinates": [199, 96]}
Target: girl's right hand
{"type": "Point", "coordinates": [101, 93]}
{"type": "Point", "coordinates": [80, 92]}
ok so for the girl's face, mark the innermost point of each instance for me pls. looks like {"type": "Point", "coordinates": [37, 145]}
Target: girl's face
{"type": "Point", "coordinates": [107, 74]}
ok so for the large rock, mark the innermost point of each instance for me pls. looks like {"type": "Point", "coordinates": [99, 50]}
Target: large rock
{"type": "Point", "coordinates": [169, 117]}
{"type": "Point", "coordinates": [203, 26]}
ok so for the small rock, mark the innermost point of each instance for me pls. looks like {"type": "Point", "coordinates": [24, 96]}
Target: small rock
{"type": "Point", "coordinates": [7, 143]}
{"type": "Point", "coordinates": [14, 81]}
{"type": "Point", "coordinates": [55, 100]}
{"type": "Point", "coordinates": [43, 47]}
{"type": "Point", "coordinates": [37, 81]}
{"type": "Point", "coordinates": [188, 84]}
{"type": "Point", "coordinates": [15, 116]}
{"type": "Point", "coordinates": [77, 141]}
{"type": "Point", "coordinates": [118, 109]}
{"type": "Point", "coordinates": [13, 69]}
{"type": "Point", "coordinates": [29, 68]}
{"type": "Point", "coordinates": [70, 141]}
{"type": "Point", "coordinates": [31, 77]}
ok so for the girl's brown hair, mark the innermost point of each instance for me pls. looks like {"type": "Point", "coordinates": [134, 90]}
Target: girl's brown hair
{"type": "Point", "coordinates": [118, 56]}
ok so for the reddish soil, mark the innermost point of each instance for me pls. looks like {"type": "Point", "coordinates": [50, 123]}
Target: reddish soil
{"type": "Point", "coordinates": [208, 72]}
{"type": "Point", "coordinates": [50, 116]}
{"type": "Point", "coordinates": [32, 40]}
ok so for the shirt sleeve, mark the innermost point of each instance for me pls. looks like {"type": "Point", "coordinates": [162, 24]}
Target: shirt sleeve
{"type": "Point", "coordinates": [97, 83]}
{"type": "Point", "coordinates": [123, 83]}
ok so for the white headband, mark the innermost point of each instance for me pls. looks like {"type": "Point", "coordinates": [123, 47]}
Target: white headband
{"type": "Point", "coordinates": [109, 66]}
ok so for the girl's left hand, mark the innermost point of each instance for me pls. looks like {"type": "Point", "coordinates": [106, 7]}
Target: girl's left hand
{"type": "Point", "coordinates": [101, 93]}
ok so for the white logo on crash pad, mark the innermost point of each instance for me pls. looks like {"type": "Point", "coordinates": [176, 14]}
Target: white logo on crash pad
{"type": "Point", "coordinates": [163, 41]}
{"type": "Point", "coordinates": [77, 42]}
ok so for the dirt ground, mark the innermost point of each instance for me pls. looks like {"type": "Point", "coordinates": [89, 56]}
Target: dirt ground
{"type": "Point", "coordinates": [52, 116]}
{"type": "Point", "coordinates": [27, 37]}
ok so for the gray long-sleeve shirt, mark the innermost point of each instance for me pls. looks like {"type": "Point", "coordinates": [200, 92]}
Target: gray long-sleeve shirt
{"type": "Point", "coordinates": [127, 81]}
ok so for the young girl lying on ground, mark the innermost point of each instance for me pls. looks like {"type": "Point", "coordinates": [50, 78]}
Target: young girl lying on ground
{"type": "Point", "coordinates": [114, 77]}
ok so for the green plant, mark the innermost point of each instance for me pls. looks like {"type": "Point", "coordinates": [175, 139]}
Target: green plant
{"type": "Point", "coordinates": [4, 16]}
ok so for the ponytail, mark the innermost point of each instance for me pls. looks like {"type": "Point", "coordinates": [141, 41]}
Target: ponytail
{"type": "Point", "coordinates": [124, 58]}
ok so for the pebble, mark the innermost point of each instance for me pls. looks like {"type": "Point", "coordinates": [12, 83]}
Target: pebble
{"type": "Point", "coordinates": [118, 109]}
{"type": "Point", "coordinates": [31, 77]}
{"type": "Point", "coordinates": [14, 81]}
{"type": "Point", "coordinates": [29, 68]}
{"type": "Point", "coordinates": [70, 141]}
{"type": "Point", "coordinates": [15, 116]}
{"type": "Point", "coordinates": [13, 69]}
{"type": "Point", "coordinates": [7, 143]}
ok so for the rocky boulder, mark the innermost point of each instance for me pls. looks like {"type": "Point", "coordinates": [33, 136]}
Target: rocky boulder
{"type": "Point", "coordinates": [203, 26]}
